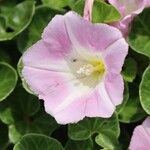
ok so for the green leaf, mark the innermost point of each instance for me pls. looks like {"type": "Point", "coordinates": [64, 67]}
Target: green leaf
{"type": "Point", "coordinates": [79, 145]}
{"type": "Point", "coordinates": [89, 126]}
{"type": "Point", "coordinates": [130, 71]}
{"type": "Point", "coordinates": [102, 12]}
{"type": "Point", "coordinates": [55, 4]}
{"type": "Point", "coordinates": [105, 13]}
{"type": "Point", "coordinates": [30, 119]}
{"type": "Point", "coordinates": [145, 90]}
{"type": "Point", "coordinates": [131, 110]}
{"type": "Point", "coordinates": [139, 37]}
{"type": "Point", "coordinates": [8, 77]}
{"type": "Point", "coordinates": [108, 141]}
{"type": "Point", "coordinates": [14, 20]}
{"type": "Point", "coordinates": [38, 142]}
{"type": "Point", "coordinates": [19, 101]}
{"type": "Point", "coordinates": [42, 17]}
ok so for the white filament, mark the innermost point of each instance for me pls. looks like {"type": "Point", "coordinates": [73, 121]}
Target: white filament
{"type": "Point", "coordinates": [86, 69]}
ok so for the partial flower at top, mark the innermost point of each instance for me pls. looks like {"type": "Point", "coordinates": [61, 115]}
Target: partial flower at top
{"type": "Point", "coordinates": [148, 3]}
{"type": "Point", "coordinates": [75, 68]}
{"type": "Point", "coordinates": [128, 9]}
{"type": "Point", "coordinates": [141, 137]}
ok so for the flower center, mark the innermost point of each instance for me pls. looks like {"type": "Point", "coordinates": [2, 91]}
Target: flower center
{"type": "Point", "coordinates": [95, 68]}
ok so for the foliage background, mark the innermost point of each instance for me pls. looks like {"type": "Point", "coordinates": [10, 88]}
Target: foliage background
{"type": "Point", "coordinates": [24, 125]}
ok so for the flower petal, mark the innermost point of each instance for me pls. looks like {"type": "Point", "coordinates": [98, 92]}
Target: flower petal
{"type": "Point", "coordinates": [146, 125]}
{"type": "Point", "coordinates": [127, 7]}
{"type": "Point", "coordinates": [56, 35]}
{"type": "Point", "coordinates": [140, 139]}
{"type": "Point", "coordinates": [114, 56]}
{"type": "Point", "coordinates": [114, 86]}
{"type": "Point", "coordinates": [73, 113]}
{"type": "Point", "coordinates": [42, 56]}
{"type": "Point", "coordinates": [86, 35]}
{"type": "Point", "coordinates": [45, 82]}
{"type": "Point", "coordinates": [99, 103]}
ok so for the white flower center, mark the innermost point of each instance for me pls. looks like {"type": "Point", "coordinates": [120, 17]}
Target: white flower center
{"type": "Point", "coordinates": [86, 69]}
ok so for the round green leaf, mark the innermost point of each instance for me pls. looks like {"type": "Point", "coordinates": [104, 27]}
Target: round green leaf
{"type": "Point", "coordinates": [14, 20]}
{"type": "Point", "coordinates": [38, 142]}
{"type": "Point", "coordinates": [8, 77]}
{"type": "Point", "coordinates": [42, 17]}
{"type": "Point", "coordinates": [139, 37]}
{"type": "Point", "coordinates": [145, 90]}
{"type": "Point", "coordinates": [89, 126]}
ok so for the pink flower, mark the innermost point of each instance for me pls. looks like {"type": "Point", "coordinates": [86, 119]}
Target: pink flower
{"type": "Point", "coordinates": [128, 9]}
{"type": "Point", "coordinates": [141, 137]}
{"type": "Point", "coordinates": [148, 3]}
{"type": "Point", "coordinates": [75, 68]}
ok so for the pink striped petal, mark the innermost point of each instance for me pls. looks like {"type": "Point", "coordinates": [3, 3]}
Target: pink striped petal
{"type": "Point", "coordinates": [83, 34]}
{"type": "Point", "coordinates": [42, 56]}
{"type": "Point", "coordinates": [56, 35]}
{"type": "Point", "coordinates": [141, 137]}
{"type": "Point", "coordinates": [115, 86]}
{"type": "Point", "coordinates": [99, 104]}
{"type": "Point", "coordinates": [114, 56]}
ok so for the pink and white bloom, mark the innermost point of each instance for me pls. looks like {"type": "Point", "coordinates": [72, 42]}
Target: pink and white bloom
{"type": "Point", "coordinates": [141, 137]}
{"type": "Point", "coordinates": [128, 10]}
{"type": "Point", "coordinates": [75, 68]}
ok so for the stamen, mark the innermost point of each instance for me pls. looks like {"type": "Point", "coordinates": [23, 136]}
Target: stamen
{"type": "Point", "coordinates": [86, 69]}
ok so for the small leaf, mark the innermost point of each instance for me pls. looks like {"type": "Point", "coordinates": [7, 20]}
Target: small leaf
{"type": "Point", "coordinates": [105, 13]}
{"type": "Point", "coordinates": [139, 37]}
{"type": "Point", "coordinates": [38, 142]}
{"type": "Point", "coordinates": [102, 12]}
{"type": "Point", "coordinates": [15, 19]}
{"type": "Point", "coordinates": [89, 126]}
{"type": "Point", "coordinates": [107, 140]}
{"type": "Point", "coordinates": [145, 90]}
{"type": "Point", "coordinates": [130, 71]}
{"type": "Point", "coordinates": [8, 78]}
